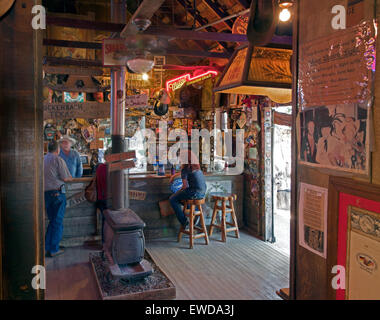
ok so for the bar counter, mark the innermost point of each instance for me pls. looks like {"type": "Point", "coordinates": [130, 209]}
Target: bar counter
{"type": "Point", "coordinates": [157, 188]}
{"type": "Point", "coordinates": [82, 222]}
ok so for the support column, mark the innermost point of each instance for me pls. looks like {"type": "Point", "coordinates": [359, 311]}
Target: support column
{"type": "Point", "coordinates": [118, 15]}
{"type": "Point", "coordinates": [21, 151]}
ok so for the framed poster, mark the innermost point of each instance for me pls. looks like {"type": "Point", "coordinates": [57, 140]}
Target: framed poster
{"type": "Point", "coordinates": [233, 100]}
{"type": "Point", "coordinates": [313, 219]}
{"type": "Point", "coordinates": [363, 255]}
{"type": "Point", "coordinates": [335, 137]}
{"type": "Point", "coordinates": [354, 233]}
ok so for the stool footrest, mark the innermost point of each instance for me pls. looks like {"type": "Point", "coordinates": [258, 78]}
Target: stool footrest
{"type": "Point", "coordinates": [221, 208]}
{"type": "Point", "coordinates": [199, 235]}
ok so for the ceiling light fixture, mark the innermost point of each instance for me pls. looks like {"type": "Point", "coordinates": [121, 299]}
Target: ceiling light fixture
{"type": "Point", "coordinates": [140, 65]}
{"type": "Point", "coordinates": [285, 5]}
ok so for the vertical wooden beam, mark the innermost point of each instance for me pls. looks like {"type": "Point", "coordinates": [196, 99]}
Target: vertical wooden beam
{"type": "Point", "coordinates": [294, 185]}
{"type": "Point", "coordinates": [1, 253]}
{"type": "Point", "coordinates": [21, 150]}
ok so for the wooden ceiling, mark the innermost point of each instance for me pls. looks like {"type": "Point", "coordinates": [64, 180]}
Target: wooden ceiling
{"type": "Point", "coordinates": [179, 14]}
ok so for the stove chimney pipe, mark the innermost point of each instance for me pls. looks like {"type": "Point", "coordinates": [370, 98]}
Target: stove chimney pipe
{"type": "Point", "coordinates": [118, 15]}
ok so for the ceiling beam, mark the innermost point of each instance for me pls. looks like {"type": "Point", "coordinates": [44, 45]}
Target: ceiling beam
{"type": "Point", "coordinates": [146, 10]}
{"type": "Point", "coordinates": [244, 3]}
{"type": "Point", "coordinates": [84, 24]}
{"type": "Point", "coordinates": [51, 61]}
{"type": "Point", "coordinates": [196, 35]}
{"type": "Point", "coordinates": [219, 11]}
{"type": "Point", "coordinates": [168, 51]}
{"type": "Point", "coordinates": [171, 32]}
{"type": "Point", "coordinates": [202, 21]}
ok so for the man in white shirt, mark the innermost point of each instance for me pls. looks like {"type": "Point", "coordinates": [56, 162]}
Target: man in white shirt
{"type": "Point", "coordinates": [56, 174]}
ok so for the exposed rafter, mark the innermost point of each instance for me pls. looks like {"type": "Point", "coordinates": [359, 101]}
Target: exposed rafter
{"type": "Point", "coordinates": [202, 21]}
{"type": "Point", "coordinates": [171, 32]}
{"type": "Point", "coordinates": [245, 3]}
{"type": "Point", "coordinates": [219, 11]}
{"type": "Point", "coordinates": [168, 51]}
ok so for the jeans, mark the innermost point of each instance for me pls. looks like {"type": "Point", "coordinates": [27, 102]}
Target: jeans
{"type": "Point", "coordinates": [175, 201]}
{"type": "Point", "coordinates": [55, 204]}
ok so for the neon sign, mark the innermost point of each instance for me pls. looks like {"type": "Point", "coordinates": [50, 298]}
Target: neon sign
{"type": "Point", "coordinates": [179, 82]}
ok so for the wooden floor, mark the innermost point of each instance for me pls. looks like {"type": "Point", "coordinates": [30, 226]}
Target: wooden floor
{"type": "Point", "coordinates": [244, 269]}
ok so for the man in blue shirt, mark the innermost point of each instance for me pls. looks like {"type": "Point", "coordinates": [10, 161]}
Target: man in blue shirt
{"type": "Point", "coordinates": [71, 156]}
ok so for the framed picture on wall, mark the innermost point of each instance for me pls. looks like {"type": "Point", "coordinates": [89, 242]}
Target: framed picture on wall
{"type": "Point", "coordinates": [354, 241]}
{"type": "Point", "coordinates": [233, 100]}
{"type": "Point", "coordinates": [363, 254]}
{"type": "Point", "coordinates": [335, 137]}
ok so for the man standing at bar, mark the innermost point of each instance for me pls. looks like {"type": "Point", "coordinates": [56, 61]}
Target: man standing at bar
{"type": "Point", "coordinates": [71, 156]}
{"type": "Point", "coordinates": [56, 174]}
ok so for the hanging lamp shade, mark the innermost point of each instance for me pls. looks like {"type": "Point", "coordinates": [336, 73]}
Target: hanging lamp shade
{"type": "Point", "coordinates": [258, 71]}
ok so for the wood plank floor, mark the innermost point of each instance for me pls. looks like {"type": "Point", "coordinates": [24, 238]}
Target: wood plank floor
{"type": "Point", "coordinates": [241, 269]}
{"type": "Point", "coordinates": [244, 269]}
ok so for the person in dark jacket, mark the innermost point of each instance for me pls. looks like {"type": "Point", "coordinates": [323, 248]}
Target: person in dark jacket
{"type": "Point", "coordinates": [193, 186]}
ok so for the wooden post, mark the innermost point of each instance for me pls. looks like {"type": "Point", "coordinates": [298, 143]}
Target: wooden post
{"type": "Point", "coordinates": [21, 151]}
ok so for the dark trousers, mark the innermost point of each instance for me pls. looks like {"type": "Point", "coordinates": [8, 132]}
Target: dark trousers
{"type": "Point", "coordinates": [55, 205]}
{"type": "Point", "coordinates": [175, 201]}
{"type": "Point", "coordinates": [102, 205]}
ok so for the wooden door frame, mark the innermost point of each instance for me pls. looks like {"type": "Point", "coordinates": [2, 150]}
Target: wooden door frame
{"type": "Point", "coordinates": [294, 152]}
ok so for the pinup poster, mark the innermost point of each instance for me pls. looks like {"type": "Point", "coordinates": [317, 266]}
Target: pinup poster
{"type": "Point", "coordinates": [335, 137]}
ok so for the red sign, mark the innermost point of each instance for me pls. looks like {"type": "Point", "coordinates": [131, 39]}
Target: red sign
{"type": "Point", "coordinates": [115, 52]}
{"type": "Point", "coordinates": [179, 82]}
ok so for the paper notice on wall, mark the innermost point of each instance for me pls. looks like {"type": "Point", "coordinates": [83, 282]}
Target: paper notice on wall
{"type": "Point", "coordinates": [339, 68]}
{"type": "Point", "coordinates": [313, 219]}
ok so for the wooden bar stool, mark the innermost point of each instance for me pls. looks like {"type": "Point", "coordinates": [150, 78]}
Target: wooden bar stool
{"type": "Point", "coordinates": [224, 226]}
{"type": "Point", "coordinates": [191, 213]}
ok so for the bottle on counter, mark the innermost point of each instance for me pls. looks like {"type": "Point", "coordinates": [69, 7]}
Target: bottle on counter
{"type": "Point", "coordinates": [161, 169]}
{"type": "Point", "coordinates": [172, 170]}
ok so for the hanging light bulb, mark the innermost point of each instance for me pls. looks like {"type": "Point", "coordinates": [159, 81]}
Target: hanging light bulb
{"type": "Point", "coordinates": [285, 15]}
{"type": "Point", "coordinates": [145, 77]}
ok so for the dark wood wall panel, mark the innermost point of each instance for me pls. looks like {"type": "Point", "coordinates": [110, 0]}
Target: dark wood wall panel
{"type": "Point", "coordinates": [312, 273]}
{"type": "Point", "coordinates": [21, 150]}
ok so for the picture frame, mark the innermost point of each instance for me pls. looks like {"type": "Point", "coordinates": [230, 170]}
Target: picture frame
{"type": "Point", "coordinates": [233, 100]}
{"type": "Point", "coordinates": [345, 194]}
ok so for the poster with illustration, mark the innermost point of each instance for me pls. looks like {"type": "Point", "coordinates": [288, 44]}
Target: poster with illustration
{"type": "Point", "coordinates": [363, 255]}
{"type": "Point", "coordinates": [335, 137]}
{"type": "Point", "coordinates": [74, 97]}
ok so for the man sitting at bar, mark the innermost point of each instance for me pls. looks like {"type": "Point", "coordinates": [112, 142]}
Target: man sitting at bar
{"type": "Point", "coordinates": [71, 157]}
{"type": "Point", "coordinates": [193, 187]}
{"type": "Point", "coordinates": [56, 174]}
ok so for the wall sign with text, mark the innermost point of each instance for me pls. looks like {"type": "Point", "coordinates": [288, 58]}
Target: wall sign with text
{"type": "Point", "coordinates": [338, 68]}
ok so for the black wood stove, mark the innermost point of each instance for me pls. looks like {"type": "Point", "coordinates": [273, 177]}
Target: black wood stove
{"type": "Point", "coordinates": [124, 245]}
